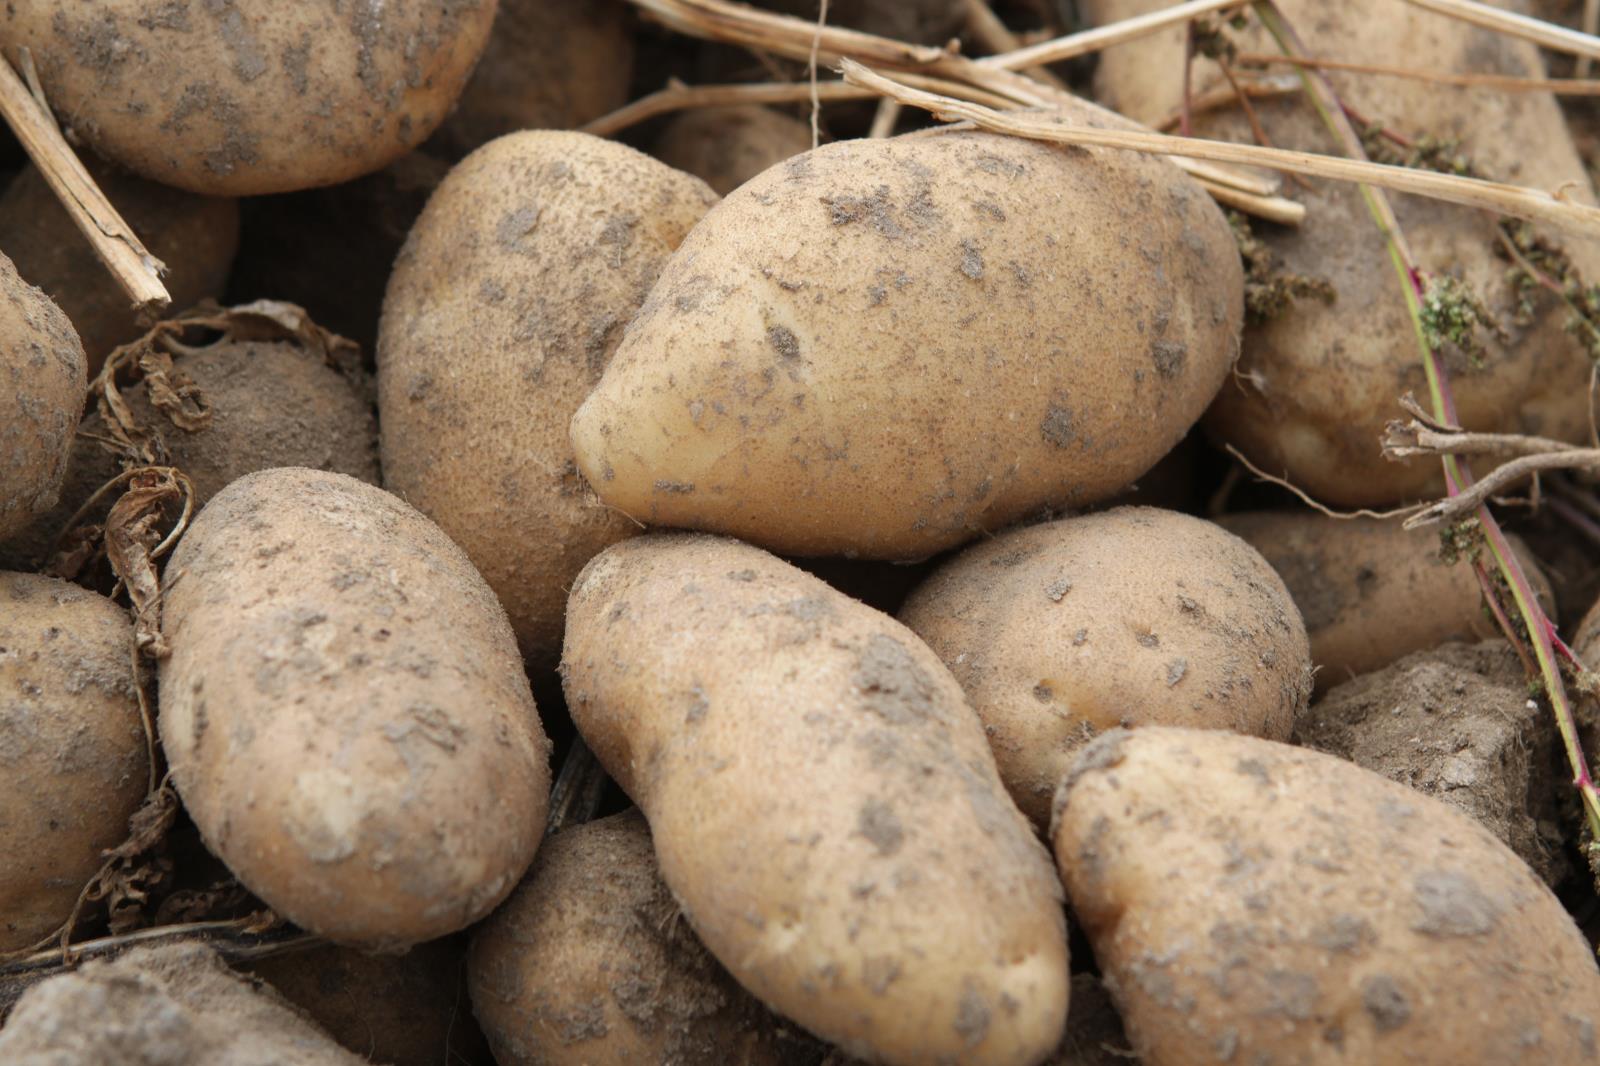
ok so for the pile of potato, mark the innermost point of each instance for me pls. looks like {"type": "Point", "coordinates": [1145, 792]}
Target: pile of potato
{"type": "Point", "coordinates": [847, 525]}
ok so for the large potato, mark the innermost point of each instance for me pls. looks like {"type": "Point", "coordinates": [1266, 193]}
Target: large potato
{"type": "Point", "coordinates": [727, 146]}
{"type": "Point", "coordinates": [243, 97]}
{"type": "Point", "coordinates": [1251, 902]}
{"type": "Point", "coordinates": [73, 762]}
{"type": "Point", "coordinates": [1317, 383]}
{"type": "Point", "coordinates": [43, 385]}
{"type": "Point", "coordinates": [823, 802]}
{"type": "Point", "coordinates": [1371, 591]}
{"type": "Point", "coordinates": [1128, 617]}
{"type": "Point", "coordinates": [588, 962]}
{"type": "Point", "coordinates": [345, 712]}
{"type": "Point", "coordinates": [884, 348]}
{"type": "Point", "coordinates": [504, 307]}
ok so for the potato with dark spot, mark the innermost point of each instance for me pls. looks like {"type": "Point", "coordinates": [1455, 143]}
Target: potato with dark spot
{"type": "Point", "coordinates": [590, 961]}
{"type": "Point", "coordinates": [73, 755]}
{"type": "Point", "coordinates": [884, 348]}
{"type": "Point", "coordinates": [195, 236]}
{"type": "Point", "coordinates": [823, 803]}
{"type": "Point", "coordinates": [43, 385]}
{"type": "Point", "coordinates": [727, 146]}
{"type": "Point", "coordinates": [345, 713]}
{"type": "Point", "coordinates": [1251, 902]}
{"type": "Point", "coordinates": [503, 309]}
{"type": "Point", "coordinates": [244, 97]}
{"type": "Point", "coordinates": [1129, 617]}
{"type": "Point", "coordinates": [1370, 590]}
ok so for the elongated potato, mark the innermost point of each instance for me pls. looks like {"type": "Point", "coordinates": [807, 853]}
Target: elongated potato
{"type": "Point", "coordinates": [73, 762]}
{"type": "Point", "coordinates": [588, 961]}
{"type": "Point", "coordinates": [345, 713]}
{"type": "Point", "coordinates": [883, 348]}
{"type": "Point", "coordinates": [503, 309]}
{"type": "Point", "coordinates": [1251, 902]}
{"type": "Point", "coordinates": [1128, 617]}
{"type": "Point", "coordinates": [43, 384]}
{"type": "Point", "coordinates": [823, 802]}
{"type": "Point", "coordinates": [727, 146]}
{"type": "Point", "coordinates": [1318, 381]}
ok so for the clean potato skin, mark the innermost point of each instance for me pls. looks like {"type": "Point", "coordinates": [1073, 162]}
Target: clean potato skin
{"type": "Point", "coordinates": [1317, 384]}
{"type": "Point", "coordinates": [345, 713]}
{"type": "Point", "coordinates": [883, 348]}
{"type": "Point", "coordinates": [504, 306]}
{"type": "Point", "coordinates": [43, 385]}
{"type": "Point", "coordinates": [1251, 902]}
{"type": "Point", "coordinates": [245, 97]}
{"type": "Point", "coordinates": [823, 802]}
{"type": "Point", "coordinates": [588, 962]}
{"type": "Point", "coordinates": [727, 146]}
{"type": "Point", "coordinates": [1129, 617]}
{"type": "Point", "coordinates": [73, 756]}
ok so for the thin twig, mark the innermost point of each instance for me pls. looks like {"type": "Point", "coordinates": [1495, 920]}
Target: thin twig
{"type": "Point", "coordinates": [1308, 500]}
{"type": "Point", "coordinates": [119, 248]}
{"type": "Point", "coordinates": [1224, 96]}
{"type": "Point", "coordinates": [1547, 34]}
{"type": "Point", "coordinates": [1471, 498]}
{"type": "Point", "coordinates": [1502, 82]}
{"type": "Point", "coordinates": [1591, 26]}
{"type": "Point", "coordinates": [811, 71]}
{"type": "Point", "coordinates": [996, 37]}
{"type": "Point", "coordinates": [1100, 38]}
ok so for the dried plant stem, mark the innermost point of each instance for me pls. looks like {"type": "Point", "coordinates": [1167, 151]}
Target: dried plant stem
{"type": "Point", "coordinates": [1502, 82]}
{"type": "Point", "coordinates": [1548, 34]}
{"type": "Point", "coordinates": [1224, 96]}
{"type": "Point", "coordinates": [1471, 499]}
{"type": "Point", "coordinates": [884, 119]}
{"type": "Point", "coordinates": [1102, 37]}
{"type": "Point", "coordinates": [995, 37]}
{"type": "Point", "coordinates": [119, 248]}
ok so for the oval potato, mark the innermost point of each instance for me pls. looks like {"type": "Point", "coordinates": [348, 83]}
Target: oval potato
{"type": "Point", "coordinates": [727, 146]}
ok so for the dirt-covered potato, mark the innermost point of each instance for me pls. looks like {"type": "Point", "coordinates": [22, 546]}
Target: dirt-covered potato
{"type": "Point", "coordinates": [1456, 722]}
{"type": "Point", "coordinates": [917, 21]}
{"type": "Point", "coordinates": [405, 1011]}
{"type": "Point", "coordinates": [73, 758]}
{"type": "Point", "coordinates": [823, 802]}
{"type": "Point", "coordinates": [195, 236]}
{"type": "Point", "coordinates": [1318, 381]}
{"type": "Point", "coordinates": [549, 65]}
{"type": "Point", "coordinates": [177, 1003]}
{"type": "Point", "coordinates": [1129, 617]}
{"type": "Point", "coordinates": [43, 384]}
{"type": "Point", "coordinates": [345, 713]}
{"type": "Point", "coordinates": [1250, 902]}
{"type": "Point", "coordinates": [503, 309]}
{"type": "Point", "coordinates": [589, 961]}
{"type": "Point", "coordinates": [727, 146]}
{"type": "Point", "coordinates": [883, 348]}
{"type": "Point", "coordinates": [244, 97]}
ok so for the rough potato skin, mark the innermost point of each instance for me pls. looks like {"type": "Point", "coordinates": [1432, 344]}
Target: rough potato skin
{"type": "Point", "coordinates": [549, 65]}
{"type": "Point", "coordinates": [882, 348]}
{"type": "Point", "coordinates": [1371, 591]}
{"type": "Point", "coordinates": [727, 146]}
{"type": "Point", "coordinates": [1250, 902]}
{"type": "Point", "coordinates": [503, 309]}
{"type": "Point", "coordinates": [823, 802]}
{"type": "Point", "coordinates": [1131, 617]}
{"type": "Point", "coordinates": [195, 236]}
{"type": "Point", "coordinates": [157, 1006]}
{"type": "Point", "coordinates": [43, 384]}
{"type": "Point", "coordinates": [73, 763]}
{"type": "Point", "coordinates": [345, 712]}
{"type": "Point", "coordinates": [588, 961]}
{"type": "Point", "coordinates": [245, 97]}
{"type": "Point", "coordinates": [1317, 383]}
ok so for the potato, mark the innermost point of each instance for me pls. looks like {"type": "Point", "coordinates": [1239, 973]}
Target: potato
{"type": "Point", "coordinates": [917, 21]}
{"type": "Point", "coordinates": [73, 756]}
{"type": "Point", "coordinates": [178, 1003]}
{"type": "Point", "coordinates": [1456, 722]}
{"type": "Point", "coordinates": [884, 348]}
{"type": "Point", "coordinates": [44, 382]}
{"type": "Point", "coordinates": [406, 1011]}
{"type": "Point", "coordinates": [194, 236]}
{"type": "Point", "coordinates": [1250, 902]}
{"type": "Point", "coordinates": [1317, 383]}
{"type": "Point", "coordinates": [727, 146]}
{"type": "Point", "coordinates": [823, 803]}
{"type": "Point", "coordinates": [550, 64]}
{"type": "Point", "coordinates": [245, 97]}
{"type": "Point", "coordinates": [507, 301]}
{"type": "Point", "coordinates": [1128, 617]}
{"type": "Point", "coordinates": [345, 713]}
{"type": "Point", "coordinates": [588, 962]}
{"type": "Point", "coordinates": [1371, 591]}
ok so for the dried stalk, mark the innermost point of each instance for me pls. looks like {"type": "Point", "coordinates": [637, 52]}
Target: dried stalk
{"type": "Point", "coordinates": [1591, 26]}
{"type": "Point", "coordinates": [1470, 500]}
{"type": "Point", "coordinates": [1224, 96]}
{"type": "Point", "coordinates": [1501, 82]}
{"type": "Point", "coordinates": [1086, 42]}
{"type": "Point", "coordinates": [1547, 34]}
{"type": "Point", "coordinates": [995, 37]}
